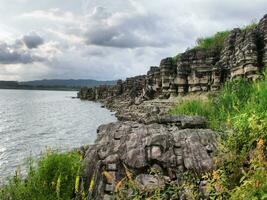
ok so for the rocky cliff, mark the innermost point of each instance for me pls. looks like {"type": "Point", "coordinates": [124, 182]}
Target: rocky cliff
{"type": "Point", "coordinates": [244, 54]}
{"type": "Point", "coordinates": [146, 138]}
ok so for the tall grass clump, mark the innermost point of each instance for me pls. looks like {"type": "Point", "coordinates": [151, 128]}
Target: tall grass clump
{"type": "Point", "coordinates": [53, 177]}
{"type": "Point", "coordinates": [193, 107]}
{"type": "Point", "coordinates": [250, 26]}
{"type": "Point", "coordinates": [219, 109]}
{"type": "Point", "coordinates": [215, 41]}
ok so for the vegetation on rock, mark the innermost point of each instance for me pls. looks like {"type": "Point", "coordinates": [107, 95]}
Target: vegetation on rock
{"type": "Point", "coordinates": [128, 189]}
{"type": "Point", "coordinates": [215, 41]}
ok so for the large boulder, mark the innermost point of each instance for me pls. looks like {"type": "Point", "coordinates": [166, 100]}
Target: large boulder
{"type": "Point", "coordinates": [138, 147]}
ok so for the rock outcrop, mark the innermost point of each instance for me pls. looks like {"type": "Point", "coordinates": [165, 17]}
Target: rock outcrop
{"type": "Point", "coordinates": [172, 146]}
{"type": "Point", "coordinates": [244, 54]}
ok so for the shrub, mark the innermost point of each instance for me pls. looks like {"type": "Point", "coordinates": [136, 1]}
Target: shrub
{"type": "Point", "coordinates": [52, 177]}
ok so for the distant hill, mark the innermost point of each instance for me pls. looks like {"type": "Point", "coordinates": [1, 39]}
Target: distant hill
{"type": "Point", "coordinates": [67, 83]}
{"type": "Point", "coordinates": [6, 84]}
{"type": "Point", "coordinates": [53, 84]}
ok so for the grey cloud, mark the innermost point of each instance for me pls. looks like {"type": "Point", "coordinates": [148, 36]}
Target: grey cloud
{"type": "Point", "coordinates": [16, 53]}
{"type": "Point", "coordinates": [16, 56]}
{"type": "Point", "coordinates": [32, 40]}
{"type": "Point", "coordinates": [123, 30]}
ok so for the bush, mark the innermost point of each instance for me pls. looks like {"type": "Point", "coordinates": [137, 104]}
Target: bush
{"type": "Point", "coordinates": [53, 177]}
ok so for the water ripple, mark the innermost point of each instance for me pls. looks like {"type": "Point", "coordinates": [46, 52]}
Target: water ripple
{"type": "Point", "coordinates": [32, 121]}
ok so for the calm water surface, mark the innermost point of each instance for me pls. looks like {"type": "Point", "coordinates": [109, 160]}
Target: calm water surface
{"type": "Point", "coordinates": [32, 121]}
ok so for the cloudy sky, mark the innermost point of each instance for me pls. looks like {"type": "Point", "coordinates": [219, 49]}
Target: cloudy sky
{"type": "Point", "coordinates": [107, 39]}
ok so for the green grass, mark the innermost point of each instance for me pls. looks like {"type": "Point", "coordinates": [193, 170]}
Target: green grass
{"type": "Point", "coordinates": [218, 110]}
{"type": "Point", "coordinates": [215, 41]}
{"type": "Point", "coordinates": [193, 107]}
{"type": "Point", "coordinates": [250, 26]}
{"type": "Point", "coordinates": [53, 177]}
{"type": "Point", "coordinates": [240, 111]}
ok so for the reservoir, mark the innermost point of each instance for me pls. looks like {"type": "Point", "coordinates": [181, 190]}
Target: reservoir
{"type": "Point", "coordinates": [33, 121]}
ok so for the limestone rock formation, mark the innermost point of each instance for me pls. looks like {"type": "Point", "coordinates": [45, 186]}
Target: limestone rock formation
{"type": "Point", "coordinates": [194, 70]}
{"type": "Point", "coordinates": [138, 147]}
{"type": "Point", "coordinates": [262, 27]}
{"type": "Point", "coordinates": [244, 54]}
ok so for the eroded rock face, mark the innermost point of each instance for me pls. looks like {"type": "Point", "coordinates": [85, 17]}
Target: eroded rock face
{"type": "Point", "coordinates": [139, 147]}
{"type": "Point", "coordinates": [240, 56]}
{"type": "Point", "coordinates": [262, 27]}
{"type": "Point", "coordinates": [194, 70]}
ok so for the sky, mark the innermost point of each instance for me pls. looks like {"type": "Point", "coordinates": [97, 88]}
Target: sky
{"type": "Point", "coordinates": [107, 39]}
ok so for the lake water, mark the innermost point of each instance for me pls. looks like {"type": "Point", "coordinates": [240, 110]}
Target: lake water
{"type": "Point", "coordinates": [32, 121]}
